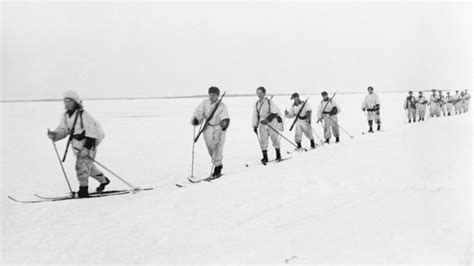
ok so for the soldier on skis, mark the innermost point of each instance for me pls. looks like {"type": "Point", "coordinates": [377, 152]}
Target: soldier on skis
{"type": "Point", "coordinates": [214, 132]}
{"type": "Point", "coordinates": [465, 101]}
{"type": "Point", "coordinates": [86, 134]}
{"type": "Point", "coordinates": [303, 121]}
{"type": "Point", "coordinates": [421, 106]}
{"type": "Point", "coordinates": [371, 104]}
{"type": "Point", "coordinates": [449, 103]}
{"type": "Point", "coordinates": [435, 104]}
{"type": "Point", "coordinates": [410, 107]}
{"type": "Point", "coordinates": [266, 121]}
{"type": "Point", "coordinates": [327, 112]}
{"type": "Point", "coordinates": [442, 102]}
{"type": "Point", "coordinates": [457, 103]}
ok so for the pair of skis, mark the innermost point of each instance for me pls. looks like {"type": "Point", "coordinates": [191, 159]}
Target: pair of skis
{"type": "Point", "coordinates": [74, 196]}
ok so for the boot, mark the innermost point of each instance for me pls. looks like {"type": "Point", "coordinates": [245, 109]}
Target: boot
{"type": "Point", "coordinates": [217, 171]}
{"type": "Point", "coordinates": [278, 155]}
{"type": "Point", "coordinates": [265, 157]}
{"type": "Point", "coordinates": [313, 145]}
{"type": "Point", "coordinates": [409, 120]}
{"type": "Point", "coordinates": [299, 145]}
{"type": "Point", "coordinates": [337, 139]}
{"type": "Point", "coordinates": [378, 127]}
{"type": "Point", "coordinates": [83, 192]}
{"type": "Point", "coordinates": [370, 126]}
{"type": "Point", "coordinates": [327, 141]}
{"type": "Point", "coordinates": [101, 187]}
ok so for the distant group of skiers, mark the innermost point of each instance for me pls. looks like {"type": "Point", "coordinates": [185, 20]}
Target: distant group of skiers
{"type": "Point", "coordinates": [447, 105]}
{"type": "Point", "coordinates": [85, 133]}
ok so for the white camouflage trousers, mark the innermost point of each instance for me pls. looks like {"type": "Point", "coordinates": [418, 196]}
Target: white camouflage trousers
{"type": "Point", "coordinates": [85, 167]}
{"type": "Point", "coordinates": [301, 127]}
{"type": "Point", "coordinates": [330, 123]}
{"type": "Point", "coordinates": [411, 114]}
{"type": "Point", "coordinates": [214, 137]}
{"type": "Point", "coordinates": [421, 111]}
{"type": "Point", "coordinates": [265, 133]}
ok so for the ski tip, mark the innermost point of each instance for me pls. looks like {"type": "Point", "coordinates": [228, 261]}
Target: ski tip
{"type": "Point", "coordinates": [178, 185]}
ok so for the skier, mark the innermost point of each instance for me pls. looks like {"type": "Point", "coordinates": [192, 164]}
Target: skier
{"type": "Point", "coordinates": [327, 111]}
{"type": "Point", "coordinates": [410, 107]}
{"type": "Point", "coordinates": [265, 115]}
{"type": "Point", "coordinates": [421, 106]}
{"type": "Point", "coordinates": [371, 104]}
{"type": "Point", "coordinates": [466, 98]}
{"type": "Point", "coordinates": [86, 134]}
{"type": "Point", "coordinates": [449, 103]}
{"type": "Point", "coordinates": [434, 104]}
{"type": "Point", "coordinates": [442, 103]}
{"type": "Point", "coordinates": [303, 122]}
{"type": "Point", "coordinates": [457, 103]}
{"type": "Point", "coordinates": [214, 133]}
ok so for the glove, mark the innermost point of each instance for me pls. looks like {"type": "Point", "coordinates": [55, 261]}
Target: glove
{"type": "Point", "coordinates": [308, 120]}
{"type": "Point", "coordinates": [83, 153]}
{"type": "Point", "coordinates": [51, 134]}
{"type": "Point", "coordinates": [286, 113]}
{"type": "Point", "coordinates": [255, 130]}
{"type": "Point", "coordinates": [225, 124]}
{"type": "Point", "coordinates": [264, 122]}
{"type": "Point", "coordinates": [363, 109]}
{"type": "Point", "coordinates": [333, 111]}
{"type": "Point", "coordinates": [195, 121]}
{"type": "Point", "coordinates": [278, 118]}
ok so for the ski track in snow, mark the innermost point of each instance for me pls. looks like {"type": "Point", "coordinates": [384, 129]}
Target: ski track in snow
{"type": "Point", "coordinates": [398, 196]}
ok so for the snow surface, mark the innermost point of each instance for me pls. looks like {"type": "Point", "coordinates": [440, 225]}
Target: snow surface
{"type": "Point", "coordinates": [400, 196]}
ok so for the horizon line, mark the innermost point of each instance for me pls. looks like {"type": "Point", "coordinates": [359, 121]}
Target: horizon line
{"type": "Point", "coordinates": [179, 97]}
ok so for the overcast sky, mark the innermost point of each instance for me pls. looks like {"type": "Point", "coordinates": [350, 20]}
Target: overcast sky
{"type": "Point", "coordinates": [164, 49]}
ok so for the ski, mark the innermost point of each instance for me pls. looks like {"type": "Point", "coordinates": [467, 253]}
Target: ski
{"type": "Point", "coordinates": [66, 198]}
{"type": "Point", "coordinates": [196, 181]}
{"type": "Point", "coordinates": [73, 197]}
{"type": "Point", "coordinates": [276, 161]}
{"type": "Point", "coordinates": [93, 194]}
{"type": "Point", "coordinates": [302, 150]}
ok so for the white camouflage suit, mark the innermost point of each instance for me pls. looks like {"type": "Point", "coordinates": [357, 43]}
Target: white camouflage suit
{"type": "Point", "coordinates": [465, 102]}
{"type": "Point", "coordinates": [457, 103]}
{"type": "Point", "coordinates": [330, 121]}
{"type": "Point", "coordinates": [421, 106]}
{"type": "Point", "coordinates": [91, 128]}
{"type": "Point", "coordinates": [369, 104]}
{"type": "Point", "coordinates": [301, 125]}
{"type": "Point", "coordinates": [214, 136]}
{"type": "Point", "coordinates": [261, 111]}
{"type": "Point", "coordinates": [442, 105]}
{"type": "Point", "coordinates": [410, 106]}
{"type": "Point", "coordinates": [449, 104]}
{"type": "Point", "coordinates": [435, 105]}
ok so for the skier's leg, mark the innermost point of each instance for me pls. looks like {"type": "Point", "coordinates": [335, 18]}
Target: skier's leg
{"type": "Point", "coordinates": [263, 134]}
{"type": "Point", "coordinates": [94, 172]}
{"type": "Point", "coordinates": [218, 139]}
{"type": "Point", "coordinates": [327, 129]}
{"type": "Point", "coordinates": [275, 137]}
{"type": "Point", "coordinates": [334, 126]}
{"type": "Point", "coordinates": [298, 133]}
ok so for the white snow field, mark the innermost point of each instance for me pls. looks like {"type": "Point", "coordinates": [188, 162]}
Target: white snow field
{"type": "Point", "coordinates": [400, 196]}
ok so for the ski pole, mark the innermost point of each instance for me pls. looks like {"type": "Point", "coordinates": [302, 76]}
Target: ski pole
{"type": "Point", "coordinates": [276, 131]}
{"type": "Point", "coordinates": [192, 161]}
{"type": "Point", "coordinates": [62, 167]}
{"type": "Point", "coordinates": [314, 131]}
{"type": "Point", "coordinates": [341, 127]}
{"type": "Point", "coordinates": [110, 171]}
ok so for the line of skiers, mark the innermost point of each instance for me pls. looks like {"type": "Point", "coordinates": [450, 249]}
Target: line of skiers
{"type": "Point", "coordinates": [438, 103]}
{"type": "Point", "coordinates": [85, 133]}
